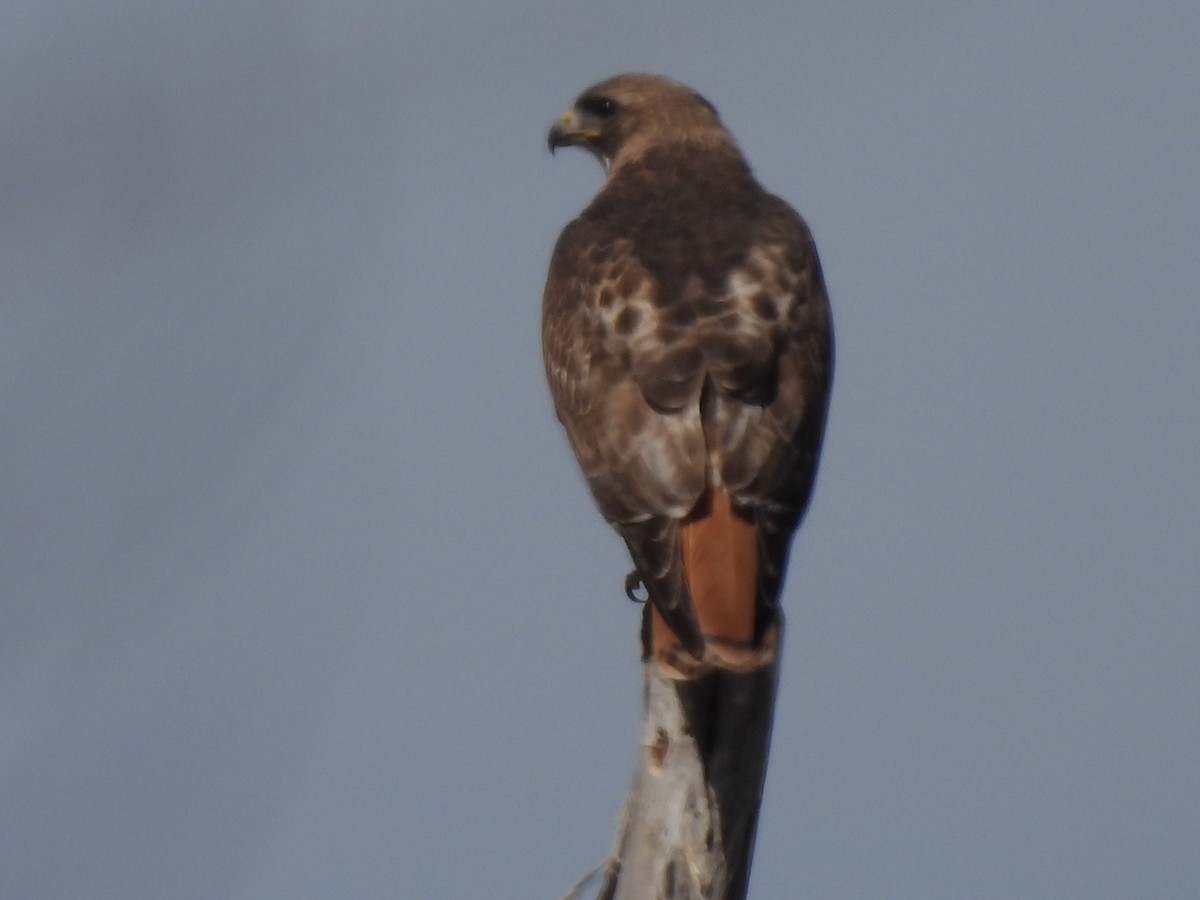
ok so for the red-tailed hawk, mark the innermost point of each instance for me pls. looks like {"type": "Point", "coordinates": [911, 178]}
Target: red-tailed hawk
{"type": "Point", "coordinates": [688, 346]}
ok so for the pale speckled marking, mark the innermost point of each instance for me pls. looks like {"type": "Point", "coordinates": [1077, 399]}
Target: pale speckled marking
{"type": "Point", "coordinates": [640, 301]}
{"type": "Point", "coordinates": [779, 284]}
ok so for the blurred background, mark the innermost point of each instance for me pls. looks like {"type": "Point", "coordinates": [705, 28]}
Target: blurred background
{"type": "Point", "coordinates": [301, 595]}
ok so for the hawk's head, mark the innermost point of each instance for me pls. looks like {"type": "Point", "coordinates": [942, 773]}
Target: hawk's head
{"type": "Point", "coordinates": [622, 117]}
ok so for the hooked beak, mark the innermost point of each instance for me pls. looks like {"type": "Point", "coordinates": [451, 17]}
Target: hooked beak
{"type": "Point", "coordinates": [569, 131]}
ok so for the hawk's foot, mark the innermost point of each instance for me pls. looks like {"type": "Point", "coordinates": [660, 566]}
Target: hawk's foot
{"type": "Point", "coordinates": [633, 584]}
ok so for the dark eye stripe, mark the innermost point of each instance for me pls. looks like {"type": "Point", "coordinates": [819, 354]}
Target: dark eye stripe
{"type": "Point", "coordinates": [600, 107]}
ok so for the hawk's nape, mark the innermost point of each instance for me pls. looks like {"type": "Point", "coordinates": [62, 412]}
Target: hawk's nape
{"type": "Point", "coordinates": [688, 346]}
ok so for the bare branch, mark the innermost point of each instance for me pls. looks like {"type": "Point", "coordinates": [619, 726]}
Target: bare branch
{"type": "Point", "coordinates": [688, 824]}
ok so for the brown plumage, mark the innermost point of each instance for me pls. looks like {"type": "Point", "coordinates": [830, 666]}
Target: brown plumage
{"type": "Point", "coordinates": [688, 346]}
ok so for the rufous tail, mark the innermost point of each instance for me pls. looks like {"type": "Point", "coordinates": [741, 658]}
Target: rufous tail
{"type": "Point", "coordinates": [720, 565]}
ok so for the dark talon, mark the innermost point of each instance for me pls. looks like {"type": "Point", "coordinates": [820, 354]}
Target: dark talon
{"type": "Point", "coordinates": [633, 584]}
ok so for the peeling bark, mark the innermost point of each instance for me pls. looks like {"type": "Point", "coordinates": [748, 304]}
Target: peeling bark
{"type": "Point", "coordinates": [688, 825]}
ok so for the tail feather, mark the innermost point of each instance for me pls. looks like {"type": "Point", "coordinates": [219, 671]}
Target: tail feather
{"type": "Point", "coordinates": [719, 550]}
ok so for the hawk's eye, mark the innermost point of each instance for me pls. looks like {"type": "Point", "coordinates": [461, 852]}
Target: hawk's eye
{"type": "Point", "coordinates": [600, 107]}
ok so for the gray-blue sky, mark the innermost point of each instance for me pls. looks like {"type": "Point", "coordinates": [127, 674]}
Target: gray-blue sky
{"type": "Point", "coordinates": [303, 596]}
